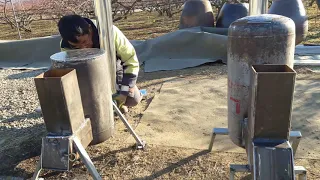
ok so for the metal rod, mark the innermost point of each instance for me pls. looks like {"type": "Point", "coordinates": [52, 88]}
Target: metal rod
{"type": "Point", "coordinates": [86, 159]}
{"type": "Point", "coordinates": [125, 122]}
{"type": "Point", "coordinates": [212, 140]}
{"type": "Point", "coordinates": [37, 171]}
{"type": "Point", "coordinates": [257, 7]}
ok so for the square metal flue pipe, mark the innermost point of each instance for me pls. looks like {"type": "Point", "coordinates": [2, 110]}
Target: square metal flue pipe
{"type": "Point", "coordinates": [272, 88]}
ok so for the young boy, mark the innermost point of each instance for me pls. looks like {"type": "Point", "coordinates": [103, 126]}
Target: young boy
{"type": "Point", "coordinates": [78, 33]}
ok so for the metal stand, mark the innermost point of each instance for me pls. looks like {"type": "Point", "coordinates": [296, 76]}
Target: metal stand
{"type": "Point", "coordinates": [295, 137]}
{"type": "Point", "coordinates": [84, 157]}
{"type": "Point", "coordinates": [139, 143]}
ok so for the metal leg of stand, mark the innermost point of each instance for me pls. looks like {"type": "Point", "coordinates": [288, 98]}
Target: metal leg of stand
{"type": "Point", "coordinates": [301, 172]}
{"type": "Point", "coordinates": [37, 171]}
{"type": "Point", "coordinates": [86, 159]}
{"type": "Point", "coordinates": [212, 140]}
{"type": "Point", "coordinates": [217, 131]}
{"type": "Point", "coordinates": [237, 168]}
{"type": "Point", "coordinates": [232, 174]}
{"type": "Point", "coordinates": [140, 143]}
{"type": "Point", "coordinates": [295, 136]}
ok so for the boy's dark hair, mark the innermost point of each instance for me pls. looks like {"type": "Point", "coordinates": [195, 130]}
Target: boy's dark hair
{"type": "Point", "coordinates": [71, 26]}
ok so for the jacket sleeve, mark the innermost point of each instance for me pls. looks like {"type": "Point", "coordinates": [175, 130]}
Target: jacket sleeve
{"type": "Point", "coordinates": [127, 54]}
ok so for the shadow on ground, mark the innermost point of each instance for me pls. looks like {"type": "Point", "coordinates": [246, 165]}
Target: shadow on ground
{"type": "Point", "coordinates": [25, 74]}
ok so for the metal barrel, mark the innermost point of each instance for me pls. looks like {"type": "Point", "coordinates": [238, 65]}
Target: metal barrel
{"type": "Point", "coordinates": [95, 87]}
{"type": "Point", "coordinates": [261, 39]}
{"type": "Point", "coordinates": [295, 10]}
{"type": "Point", "coordinates": [231, 12]}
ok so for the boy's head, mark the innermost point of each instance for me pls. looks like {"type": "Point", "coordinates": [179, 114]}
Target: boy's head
{"type": "Point", "coordinates": [76, 31]}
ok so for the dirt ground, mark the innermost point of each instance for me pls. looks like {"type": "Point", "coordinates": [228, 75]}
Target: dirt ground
{"type": "Point", "coordinates": [117, 160]}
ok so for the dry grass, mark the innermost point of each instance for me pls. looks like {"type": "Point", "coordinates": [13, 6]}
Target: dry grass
{"type": "Point", "coordinates": [314, 25]}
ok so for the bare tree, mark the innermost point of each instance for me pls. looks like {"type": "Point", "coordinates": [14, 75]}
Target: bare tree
{"type": "Point", "coordinates": [59, 8]}
{"type": "Point", "coordinates": [166, 7]}
{"type": "Point", "coordinates": [16, 19]}
{"type": "Point", "coordinates": [123, 8]}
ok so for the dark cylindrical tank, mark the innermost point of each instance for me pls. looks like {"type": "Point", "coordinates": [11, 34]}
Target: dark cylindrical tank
{"type": "Point", "coordinates": [262, 39]}
{"type": "Point", "coordinates": [196, 13]}
{"type": "Point", "coordinates": [95, 87]}
{"type": "Point", "coordinates": [295, 10]}
{"type": "Point", "coordinates": [231, 12]}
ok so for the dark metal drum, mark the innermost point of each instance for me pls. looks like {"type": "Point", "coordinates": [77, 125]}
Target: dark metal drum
{"type": "Point", "coordinates": [196, 13]}
{"type": "Point", "coordinates": [295, 10]}
{"type": "Point", "coordinates": [231, 12]}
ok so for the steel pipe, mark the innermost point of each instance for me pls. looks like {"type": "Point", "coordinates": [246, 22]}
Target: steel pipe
{"type": "Point", "coordinates": [103, 13]}
{"type": "Point", "coordinates": [257, 7]}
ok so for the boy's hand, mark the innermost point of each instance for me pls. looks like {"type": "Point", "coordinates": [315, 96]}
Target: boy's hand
{"type": "Point", "coordinates": [121, 99]}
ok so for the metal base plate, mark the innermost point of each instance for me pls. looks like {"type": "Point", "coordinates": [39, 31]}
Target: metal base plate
{"type": "Point", "coordinates": [295, 137]}
{"type": "Point", "coordinates": [299, 171]}
{"type": "Point", "coordinates": [55, 153]}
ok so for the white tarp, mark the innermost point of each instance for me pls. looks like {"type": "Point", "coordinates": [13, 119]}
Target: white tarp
{"type": "Point", "coordinates": [182, 49]}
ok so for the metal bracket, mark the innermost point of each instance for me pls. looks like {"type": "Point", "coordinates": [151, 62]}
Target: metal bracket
{"type": "Point", "coordinates": [295, 137]}
{"type": "Point", "coordinates": [299, 171]}
{"type": "Point", "coordinates": [237, 168]}
{"type": "Point", "coordinates": [217, 131]}
{"type": "Point", "coordinates": [139, 143]}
